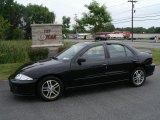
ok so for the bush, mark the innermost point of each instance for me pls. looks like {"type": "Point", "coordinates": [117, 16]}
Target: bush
{"type": "Point", "coordinates": [36, 54]}
{"type": "Point", "coordinates": [14, 51]}
{"type": "Point", "coordinates": [18, 34]}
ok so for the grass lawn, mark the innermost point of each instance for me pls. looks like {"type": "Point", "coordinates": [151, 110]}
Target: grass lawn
{"type": "Point", "coordinates": [7, 69]}
{"type": "Point", "coordinates": [15, 51]}
{"type": "Point", "coordinates": [155, 52]}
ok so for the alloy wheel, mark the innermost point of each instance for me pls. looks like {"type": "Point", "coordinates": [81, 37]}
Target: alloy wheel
{"type": "Point", "coordinates": [138, 77]}
{"type": "Point", "coordinates": [51, 89]}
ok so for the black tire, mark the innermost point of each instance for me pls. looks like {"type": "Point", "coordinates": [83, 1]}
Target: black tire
{"type": "Point", "coordinates": [50, 88]}
{"type": "Point", "coordinates": [138, 77]}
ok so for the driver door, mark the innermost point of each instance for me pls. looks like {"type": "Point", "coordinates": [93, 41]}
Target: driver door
{"type": "Point", "coordinates": [93, 69]}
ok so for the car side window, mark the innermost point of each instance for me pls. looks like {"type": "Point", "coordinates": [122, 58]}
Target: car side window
{"type": "Point", "coordinates": [129, 52]}
{"type": "Point", "coordinates": [116, 50]}
{"type": "Point", "coordinates": [94, 53]}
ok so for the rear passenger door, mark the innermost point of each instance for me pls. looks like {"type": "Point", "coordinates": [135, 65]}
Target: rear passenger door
{"type": "Point", "coordinates": [120, 61]}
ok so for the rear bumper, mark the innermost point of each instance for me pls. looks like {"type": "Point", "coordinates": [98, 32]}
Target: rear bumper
{"type": "Point", "coordinates": [22, 88]}
{"type": "Point", "coordinates": [150, 69]}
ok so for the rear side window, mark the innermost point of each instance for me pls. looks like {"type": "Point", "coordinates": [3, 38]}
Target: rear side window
{"type": "Point", "coordinates": [116, 50]}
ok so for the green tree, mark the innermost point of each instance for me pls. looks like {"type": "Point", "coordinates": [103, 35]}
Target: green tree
{"type": "Point", "coordinates": [139, 30]}
{"type": "Point", "coordinates": [157, 30]}
{"type": "Point", "coordinates": [97, 18]}
{"type": "Point", "coordinates": [4, 27]}
{"type": "Point", "coordinates": [108, 28]}
{"type": "Point", "coordinates": [6, 9]}
{"type": "Point", "coordinates": [80, 26]}
{"type": "Point", "coordinates": [11, 11]}
{"type": "Point", "coordinates": [37, 14]}
{"type": "Point", "coordinates": [151, 30]}
{"type": "Point", "coordinates": [66, 25]}
{"type": "Point", "coordinates": [21, 17]}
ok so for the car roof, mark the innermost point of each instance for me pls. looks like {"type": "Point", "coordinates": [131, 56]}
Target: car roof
{"type": "Point", "coordinates": [99, 42]}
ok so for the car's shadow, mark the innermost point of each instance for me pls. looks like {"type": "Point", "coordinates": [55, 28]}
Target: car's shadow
{"type": "Point", "coordinates": [82, 91]}
{"type": "Point", "coordinates": [97, 89]}
{"type": "Point", "coordinates": [101, 88]}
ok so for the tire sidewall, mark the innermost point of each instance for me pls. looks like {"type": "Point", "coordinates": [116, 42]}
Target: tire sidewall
{"type": "Point", "coordinates": [39, 88]}
{"type": "Point", "coordinates": [131, 77]}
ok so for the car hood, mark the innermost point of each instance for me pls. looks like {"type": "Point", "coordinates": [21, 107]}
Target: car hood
{"type": "Point", "coordinates": [41, 63]}
{"type": "Point", "coordinates": [35, 65]}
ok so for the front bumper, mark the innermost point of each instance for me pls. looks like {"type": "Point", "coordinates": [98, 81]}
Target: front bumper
{"type": "Point", "coordinates": [23, 88]}
{"type": "Point", "coordinates": [150, 69]}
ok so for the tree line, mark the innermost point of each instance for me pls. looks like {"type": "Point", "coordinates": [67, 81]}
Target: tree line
{"type": "Point", "coordinates": [98, 19]}
{"type": "Point", "coordinates": [16, 19]}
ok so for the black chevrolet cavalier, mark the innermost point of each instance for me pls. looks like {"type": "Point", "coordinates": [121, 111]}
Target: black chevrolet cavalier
{"type": "Point", "coordinates": [83, 64]}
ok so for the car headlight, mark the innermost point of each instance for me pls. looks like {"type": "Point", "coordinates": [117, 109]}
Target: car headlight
{"type": "Point", "coordinates": [22, 77]}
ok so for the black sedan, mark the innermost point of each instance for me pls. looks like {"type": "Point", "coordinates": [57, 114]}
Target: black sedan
{"type": "Point", "coordinates": [83, 64]}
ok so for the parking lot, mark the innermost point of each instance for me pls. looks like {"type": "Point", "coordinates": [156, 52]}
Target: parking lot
{"type": "Point", "coordinates": [108, 102]}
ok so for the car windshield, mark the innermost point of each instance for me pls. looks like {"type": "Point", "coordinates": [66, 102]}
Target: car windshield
{"type": "Point", "coordinates": [70, 53]}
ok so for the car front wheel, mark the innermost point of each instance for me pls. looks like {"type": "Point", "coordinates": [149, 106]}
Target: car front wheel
{"type": "Point", "coordinates": [138, 77]}
{"type": "Point", "coordinates": [50, 88]}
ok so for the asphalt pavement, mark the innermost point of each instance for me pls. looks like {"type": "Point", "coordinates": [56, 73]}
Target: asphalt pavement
{"type": "Point", "coordinates": [108, 102]}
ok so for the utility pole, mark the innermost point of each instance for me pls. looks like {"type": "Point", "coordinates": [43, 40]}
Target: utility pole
{"type": "Point", "coordinates": [132, 1]}
{"type": "Point", "coordinates": [76, 26]}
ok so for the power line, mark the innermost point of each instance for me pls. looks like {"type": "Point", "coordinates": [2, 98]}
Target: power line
{"type": "Point", "coordinates": [148, 19]}
{"type": "Point", "coordinates": [136, 17]}
{"type": "Point", "coordinates": [149, 6]}
{"type": "Point", "coordinates": [138, 20]}
{"type": "Point", "coordinates": [126, 11]}
{"type": "Point", "coordinates": [122, 22]}
{"type": "Point", "coordinates": [121, 19]}
{"type": "Point", "coordinates": [113, 6]}
{"type": "Point", "coordinates": [146, 15]}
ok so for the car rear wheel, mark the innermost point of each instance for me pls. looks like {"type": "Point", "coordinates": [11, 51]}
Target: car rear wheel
{"type": "Point", "coordinates": [138, 77]}
{"type": "Point", "coordinates": [50, 88]}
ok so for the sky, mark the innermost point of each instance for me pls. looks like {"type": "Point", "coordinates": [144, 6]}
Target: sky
{"type": "Point", "coordinates": [147, 11]}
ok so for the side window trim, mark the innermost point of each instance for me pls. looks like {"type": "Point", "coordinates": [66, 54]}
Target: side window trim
{"type": "Point", "coordinates": [133, 54]}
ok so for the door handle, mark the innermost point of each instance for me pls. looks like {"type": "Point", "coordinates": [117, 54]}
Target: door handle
{"type": "Point", "coordinates": [134, 61]}
{"type": "Point", "coordinates": [105, 65]}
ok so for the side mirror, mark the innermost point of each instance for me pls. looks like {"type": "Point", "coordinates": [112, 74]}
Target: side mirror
{"type": "Point", "coordinates": [80, 60]}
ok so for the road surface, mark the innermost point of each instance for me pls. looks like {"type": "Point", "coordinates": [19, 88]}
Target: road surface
{"type": "Point", "coordinates": [108, 102]}
{"type": "Point", "coordinates": [146, 44]}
